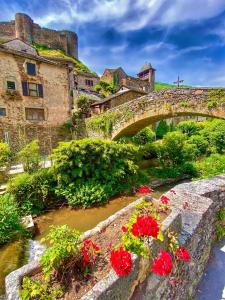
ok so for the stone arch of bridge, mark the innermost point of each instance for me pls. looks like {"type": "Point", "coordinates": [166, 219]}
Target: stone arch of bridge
{"type": "Point", "coordinates": [138, 122]}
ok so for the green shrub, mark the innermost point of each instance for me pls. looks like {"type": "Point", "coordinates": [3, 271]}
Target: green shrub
{"type": "Point", "coordinates": [81, 162]}
{"type": "Point", "coordinates": [33, 191]}
{"type": "Point", "coordinates": [170, 152]}
{"type": "Point", "coordinates": [30, 157]}
{"type": "Point", "coordinates": [190, 127]}
{"type": "Point", "coordinates": [211, 166]}
{"type": "Point", "coordinates": [5, 155]}
{"type": "Point", "coordinates": [144, 136]}
{"type": "Point", "coordinates": [124, 140]}
{"type": "Point", "coordinates": [149, 150]}
{"type": "Point", "coordinates": [200, 142]}
{"type": "Point", "coordinates": [84, 104]}
{"type": "Point", "coordinates": [9, 219]}
{"type": "Point", "coordinates": [87, 194]}
{"type": "Point", "coordinates": [162, 129]}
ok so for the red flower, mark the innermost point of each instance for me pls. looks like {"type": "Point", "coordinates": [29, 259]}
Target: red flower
{"type": "Point", "coordinates": [124, 228]}
{"type": "Point", "coordinates": [173, 191]}
{"type": "Point", "coordinates": [121, 261]}
{"type": "Point", "coordinates": [144, 190]}
{"type": "Point", "coordinates": [89, 251]}
{"type": "Point", "coordinates": [164, 199]}
{"type": "Point", "coordinates": [145, 226]}
{"type": "Point", "coordinates": [162, 264]}
{"type": "Point", "coordinates": [183, 254]}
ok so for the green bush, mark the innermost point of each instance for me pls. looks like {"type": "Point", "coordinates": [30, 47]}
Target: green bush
{"type": "Point", "coordinates": [111, 165]}
{"type": "Point", "coordinates": [175, 149]}
{"type": "Point", "coordinates": [190, 127]}
{"type": "Point", "coordinates": [211, 166]}
{"type": "Point", "coordinates": [144, 136]}
{"type": "Point", "coordinates": [87, 194]}
{"type": "Point", "coordinates": [162, 129]}
{"type": "Point", "coordinates": [84, 104]}
{"type": "Point", "coordinates": [5, 155]}
{"type": "Point", "coordinates": [149, 150]}
{"type": "Point", "coordinates": [30, 157]}
{"type": "Point", "coordinates": [32, 191]}
{"type": "Point", "coordinates": [9, 219]}
{"type": "Point", "coordinates": [200, 142]}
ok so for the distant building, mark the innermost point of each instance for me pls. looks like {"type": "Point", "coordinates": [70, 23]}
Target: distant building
{"type": "Point", "coordinates": [35, 96]}
{"type": "Point", "coordinates": [144, 81]}
{"type": "Point", "coordinates": [85, 81]}
{"type": "Point", "coordinates": [122, 96]}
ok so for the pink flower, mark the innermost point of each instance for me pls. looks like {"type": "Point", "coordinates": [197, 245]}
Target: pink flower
{"type": "Point", "coordinates": [144, 190]}
{"type": "Point", "coordinates": [145, 226]}
{"type": "Point", "coordinates": [183, 254]}
{"type": "Point", "coordinates": [164, 199]}
{"type": "Point", "coordinates": [124, 228]}
{"type": "Point", "coordinates": [162, 264]}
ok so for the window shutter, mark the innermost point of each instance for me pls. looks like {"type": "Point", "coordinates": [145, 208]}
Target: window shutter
{"type": "Point", "coordinates": [40, 91]}
{"type": "Point", "coordinates": [25, 89]}
{"type": "Point", "coordinates": [31, 69]}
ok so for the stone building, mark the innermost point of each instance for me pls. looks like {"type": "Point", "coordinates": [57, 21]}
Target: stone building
{"type": "Point", "coordinates": [35, 98]}
{"type": "Point", "coordinates": [144, 81]}
{"type": "Point", "coordinates": [24, 28]}
{"type": "Point", "coordinates": [122, 96]}
{"type": "Point", "coordinates": [86, 81]}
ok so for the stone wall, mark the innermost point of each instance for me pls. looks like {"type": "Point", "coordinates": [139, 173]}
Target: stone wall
{"type": "Point", "coordinates": [193, 215]}
{"type": "Point", "coordinates": [25, 29]}
{"type": "Point", "coordinates": [55, 101]}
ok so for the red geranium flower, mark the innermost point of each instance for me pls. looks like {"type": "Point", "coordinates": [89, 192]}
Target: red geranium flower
{"type": "Point", "coordinates": [89, 251]}
{"type": "Point", "coordinates": [145, 226]}
{"type": "Point", "coordinates": [173, 191]}
{"type": "Point", "coordinates": [162, 264]}
{"type": "Point", "coordinates": [124, 228]}
{"type": "Point", "coordinates": [183, 254]}
{"type": "Point", "coordinates": [121, 261]}
{"type": "Point", "coordinates": [144, 190]}
{"type": "Point", "coordinates": [164, 199]}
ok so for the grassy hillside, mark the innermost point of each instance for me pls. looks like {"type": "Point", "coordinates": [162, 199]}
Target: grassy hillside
{"type": "Point", "coordinates": [57, 53]}
{"type": "Point", "coordinates": [162, 85]}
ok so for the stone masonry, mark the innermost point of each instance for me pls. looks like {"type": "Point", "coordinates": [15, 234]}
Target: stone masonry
{"type": "Point", "coordinates": [25, 29]}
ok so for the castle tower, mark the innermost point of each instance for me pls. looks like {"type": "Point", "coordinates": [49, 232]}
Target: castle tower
{"type": "Point", "coordinates": [24, 27]}
{"type": "Point", "coordinates": [72, 42]}
{"type": "Point", "coordinates": [147, 73]}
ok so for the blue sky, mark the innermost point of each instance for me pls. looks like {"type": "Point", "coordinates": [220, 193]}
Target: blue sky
{"type": "Point", "coordinates": [185, 37]}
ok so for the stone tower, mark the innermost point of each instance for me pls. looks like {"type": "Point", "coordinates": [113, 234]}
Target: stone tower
{"type": "Point", "coordinates": [147, 73]}
{"type": "Point", "coordinates": [24, 28]}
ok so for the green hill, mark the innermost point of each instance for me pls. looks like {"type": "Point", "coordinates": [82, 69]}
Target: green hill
{"type": "Point", "coordinates": [57, 53]}
{"type": "Point", "coordinates": [161, 85]}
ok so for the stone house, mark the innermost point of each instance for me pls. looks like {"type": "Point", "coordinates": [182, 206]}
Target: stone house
{"type": "Point", "coordinates": [85, 81]}
{"type": "Point", "coordinates": [144, 81]}
{"type": "Point", "coordinates": [122, 96]}
{"type": "Point", "coordinates": [34, 97]}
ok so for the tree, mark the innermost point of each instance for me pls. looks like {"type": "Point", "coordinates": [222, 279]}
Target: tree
{"type": "Point", "coordinates": [161, 129]}
{"type": "Point", "coordinates": [30, 157]}
{"type": "Point", "coordinates": [144, 136]}
{"type": "Point", "coordinates": [5, 154]}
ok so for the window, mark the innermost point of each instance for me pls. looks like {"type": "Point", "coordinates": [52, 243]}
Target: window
{"type": "Point", "coordinates": [89, 82]}
{"type": "Point", "coordinates": [2, 112]}
{"type": "Point", "coordinates": [31, 69]}
{"type": "Point", "coordinates": [11, 85]}
{"type": "Point", "coordinates": [35, 114]}
{"type": "Point", "coordinates": [32, 89]}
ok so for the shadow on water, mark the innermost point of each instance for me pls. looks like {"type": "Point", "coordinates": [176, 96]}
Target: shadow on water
{"type": "Point", "coordinates": [12, 256]}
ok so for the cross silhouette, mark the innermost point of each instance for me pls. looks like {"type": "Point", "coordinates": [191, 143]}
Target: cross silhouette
{"type": "Point", "coordinates": [178, 81]}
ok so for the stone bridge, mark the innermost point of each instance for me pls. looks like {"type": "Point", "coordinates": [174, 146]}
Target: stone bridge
{"type": "Point", "coordinates": [134, 115]}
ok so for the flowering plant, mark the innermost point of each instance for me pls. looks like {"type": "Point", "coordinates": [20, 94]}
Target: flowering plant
{"type": "Point", "coordinates": [145, 190]}
{"type": "Point", "coordinates": [145, 226]}
{"type": "Point", "coordinates": [183, 254]}
{"type": "Point", "coordinates": [164, 199]}
{"type": "Point", "coordinates": [121, 261]}
{"type": "Point", "coordinates": [162, 264]}
{"type": "Point", "coordinates": [89, 252]}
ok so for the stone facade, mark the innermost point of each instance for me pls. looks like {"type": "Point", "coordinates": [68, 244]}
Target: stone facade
{"type": "Point", "coordinates": [120, 77]}
{"type": "Point", "coordinates": [86, 81]}
{"type": "Point", "coordinates": [32, 106]}
{"type": "Point", "coordinates": [116, 100]}
{"type": "Point", "coordinates": [193, 215]}
{"type": "Point", "coordinates": [25, 29]}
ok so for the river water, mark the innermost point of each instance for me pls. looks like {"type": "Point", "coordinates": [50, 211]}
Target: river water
{"type": "Point", "coordinates": [13, 255]}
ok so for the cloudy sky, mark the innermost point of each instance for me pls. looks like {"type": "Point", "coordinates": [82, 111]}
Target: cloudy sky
{"type": "Point", "coordinates": [185, 37]}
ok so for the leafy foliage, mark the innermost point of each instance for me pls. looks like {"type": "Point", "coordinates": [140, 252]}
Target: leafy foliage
{"type": "Point", "coordinates": [32, 191]}
{"type": "Point", "coordinates": [5, 154]}
{"type": "Point", "coordinates": [190, 127]}
{"type": "Point", "coordinates": [220, 228]}
{"type": "Point", "coordinates": [211, 166]}
{"type": "Point", "coordinates": [105, 89]}
{"type": "Point", "coordinates": [9, 219]}
{"type": "Point", "coordinates": [36, 290]}
{"type": "Point", "coordinates": [144, 136]}
{"type": "Point", "coordinates": [83, 104]}
{"type": "Point", "coordinates": [215, 98]}
{"type": "Point", "coordinates": [162, 129]}
{"type": "Point", "coordinates": [30, 157]}
{"type": "Point", "coordinates": [63, 244]}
